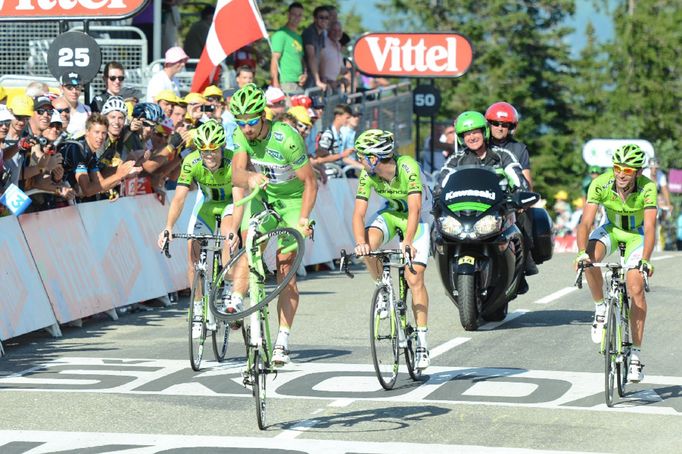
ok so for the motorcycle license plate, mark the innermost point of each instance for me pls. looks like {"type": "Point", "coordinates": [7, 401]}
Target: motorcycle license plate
{"type": "Point", "coordinates": [466, 260]}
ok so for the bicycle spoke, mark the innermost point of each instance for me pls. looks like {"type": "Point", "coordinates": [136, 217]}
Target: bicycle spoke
{"type": "Point", "coordinates": [610, 355]}
{"type": "Point", "coordinates": [259, 388]}
{"type": "Point", "coordinates": [384, 340]}
{"type": "Point", "coordinates": [196, 323]}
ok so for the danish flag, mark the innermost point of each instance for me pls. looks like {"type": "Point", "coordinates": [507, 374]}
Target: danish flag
{"type": "Point", "coordinates": [236, 23]}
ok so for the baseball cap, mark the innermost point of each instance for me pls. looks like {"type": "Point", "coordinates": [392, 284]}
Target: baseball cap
{"type": "Point", "coordinates": [229, 92]}
{"type": "Point", "coordinates": [3, 93]}
{"type": "Point", "coordinates": [131, 93]}
{"type": "Point", "coordinates": [5, 114]}
{"type": "Point", "coordinates": [274, 95]}
{"type": "Point", "coordinates": [41, 101]}
{"type": "Point", "coordinates": [300, 113]}
{"type": "Point", "coordinates": [167, 95]}
{"type": "Point", "coordinates": [56, 118]}
{"type": "Point", "coordinates": [21, 105]}
{"type": "Point", "coordinates": [176, 54]}
{"type": "Point", "coordinates": [70, 78]}
{"type": "Point", "coordinates": [194, 98]}
{"type": "Point", "coordinates": [213, 90]}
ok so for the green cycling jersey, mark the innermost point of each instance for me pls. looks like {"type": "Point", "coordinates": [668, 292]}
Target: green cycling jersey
{"type": "Point", "coordinates": [215, 185]}
{"type": "Point", "coordinates": [407, 181]}
{"type": "Point", "coordinates": [623, 214]}
{"type": "Point", "coordinates": [277, 156]}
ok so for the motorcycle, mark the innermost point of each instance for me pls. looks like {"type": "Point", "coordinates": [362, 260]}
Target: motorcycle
{"type": "Point", "coordinates": [478, 247]}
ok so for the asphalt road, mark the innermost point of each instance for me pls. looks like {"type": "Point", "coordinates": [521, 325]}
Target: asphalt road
{"type": "Point", "coordinates": [533, 383]}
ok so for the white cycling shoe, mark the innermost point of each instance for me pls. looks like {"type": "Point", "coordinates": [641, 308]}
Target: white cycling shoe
{"type": "Point", "coordinates": [598, 322]}
{"type": "Point", "coordinates": [233, 304]}
{"type": "Point", "coordinates": [635, 374]}
{"type": "Point", "coordinates": [280, 356]}
{"type": "Point", "coordinates": [421, 360]}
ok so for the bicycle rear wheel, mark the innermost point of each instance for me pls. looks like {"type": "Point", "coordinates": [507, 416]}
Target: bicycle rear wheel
{"type": "Point", "coordinates": [259, 388]}
{"type": "Point", "coordinates": [610, 355]}
{"type": "Point", "coordinates": [285, 234]}
{"type": "Point", "coordinates": [221, 336]}
{"type": "Point", "coordinates": [411, 336]}
{"type": "Point", "coordinates": [624, 365]}
{"type": "Point", "coordinates": [197, 338]}
{"type": "Point", "coordinates": [384, 339]}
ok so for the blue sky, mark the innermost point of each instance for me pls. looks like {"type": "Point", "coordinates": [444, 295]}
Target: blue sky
{"type": "Point", "coordinates": [584, 13]}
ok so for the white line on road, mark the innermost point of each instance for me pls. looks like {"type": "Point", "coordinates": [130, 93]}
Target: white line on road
{"type": "Point", "coordinates": [341, 402]}
{"type": "Point", "coordinates": [556, 295]}
{"type": "Point", "coordinates": [662, 257]}
{"type": "Point", "coordinates": [449, 345]}
{"type": "Point", "coordinates": [297, 429]}
{"type": "Point", "coordinates": [492, 325]}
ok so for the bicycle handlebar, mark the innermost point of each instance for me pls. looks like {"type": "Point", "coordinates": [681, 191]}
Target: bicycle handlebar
{"type": "Point", "coordinates": [343, 265]}
{"type": "Point", "coordinates": [611, 266]}
{"type": "Point", "coordinates": [249, 197]}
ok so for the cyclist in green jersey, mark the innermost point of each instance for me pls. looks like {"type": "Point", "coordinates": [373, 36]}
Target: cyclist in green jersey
{"type": "Point", "coordinates": [399, 180]}
{"type": "Point", "coordinates": [630, 203]}
{"type": "Point", "coordinates": [272, 155]}
{"type": "Point", "coordinates": [209, 166]}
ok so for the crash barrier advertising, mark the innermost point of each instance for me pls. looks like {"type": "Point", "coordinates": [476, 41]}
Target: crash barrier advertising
{"type": "Point", "coordinates": [16, 10]}
{"type": "Point", "coordinates": [598, 152]}
{"type": "Point", "coordinates": [69, 263]}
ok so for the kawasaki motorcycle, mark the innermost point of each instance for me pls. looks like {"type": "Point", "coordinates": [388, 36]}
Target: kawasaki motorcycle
{"type": "Point", "coordinates": [478, 248]}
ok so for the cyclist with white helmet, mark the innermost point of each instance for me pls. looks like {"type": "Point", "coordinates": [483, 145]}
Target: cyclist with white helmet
{"type": "Point", "coordinates": [210, 167]}
{"type": "Point", "coordinates": [630, 203]}
{"type": "Point", "coordinates": [399, 180]}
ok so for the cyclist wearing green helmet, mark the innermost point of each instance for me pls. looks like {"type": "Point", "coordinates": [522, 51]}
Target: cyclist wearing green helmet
{"type": "Point", "coordinates": [399, 180]}
{"type": "Point", "coordinates": [273, 155]}
{"type": "Point", "coordinates": [630, 203]}
{"type": "Point", "coordinates": [210, 167]}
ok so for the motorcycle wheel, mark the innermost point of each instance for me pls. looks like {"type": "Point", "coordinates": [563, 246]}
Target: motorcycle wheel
{"type": "Point", "coordinates": [468, 314]}
{"type": "Point", "coordinates": [497, 315]}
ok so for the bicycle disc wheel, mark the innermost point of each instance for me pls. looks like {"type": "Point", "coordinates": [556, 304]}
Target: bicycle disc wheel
{"type": "Point", "coordinates": [259, 388]}
{"type": "Point", "coordinates": [411, 335]}
{"type": "Point", "coordinates": [610, 355]}
{"type": "Point", "coordinates": [384, 339]}
{"type": "Point", "coordinates": [196, 342]}
{"type": "Point", "coordinates": [221, 337]}
{"type": "Point", "coordinates": [271, 292]}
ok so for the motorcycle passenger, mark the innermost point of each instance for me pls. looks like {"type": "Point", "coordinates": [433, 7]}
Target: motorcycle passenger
{"type": "Point", "coordinates": [473, 133]}
{"type": "Point", "coordinates": [408, 200]}
{"type": "Point", "coordinates": [630, 202]}
{"type": "Point", "coordinates": [503, 120]}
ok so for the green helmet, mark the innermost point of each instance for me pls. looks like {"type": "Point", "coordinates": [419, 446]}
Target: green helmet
{"type": "Point", "coordinates": [629, 155]}
{"type": "Point", "coordinates": [248, 100]}
{"type": "Point", "coordinates": [468, 121]}
{"type": "Point", "coordinates": [209, 134]}
{"type": "Point", "coordinates": [375, 142]}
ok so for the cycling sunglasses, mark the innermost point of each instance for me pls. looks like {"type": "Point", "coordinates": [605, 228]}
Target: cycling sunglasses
{"type": "Point", "coordinates": [249, 121]}
{"type": "Point", "coordinates": [625, 170]}
{"type": "Point", "coordinates": [119, 78]}
{"type": "Point", "coordinates": [211, 148]}
{"type": "Point", "coordinates": [501, 123]}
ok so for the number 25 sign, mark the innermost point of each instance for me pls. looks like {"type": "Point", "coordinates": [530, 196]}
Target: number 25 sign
{"type": "Point", "coordinates": [74, 52]}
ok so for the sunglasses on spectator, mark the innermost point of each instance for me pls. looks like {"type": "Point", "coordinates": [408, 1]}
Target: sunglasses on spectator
{"type": "Point", "coordinates": [5, 123]}
{"type": "Point", "coordinates": [321, 17]}
{"type": "Point", "coordinates": [624, 170]}
{"type": "Point", "coordinates": [73, 87]}
{"type": "Point", "coordinates": [214, 99]}
{"type": "Point", "coordinates": [61, 111]}
{"type": "Point", "coordinates": [22, 117]}
{"type": "Point", "coordinates": [248, 121]}
{"type": "Point", "coordinates": [56, 125]}
{"type": "Point", "coordinates": [44, 111]}
{"type": "Point", "coordinates": [119, 78]}
{"type": "Point", "coordinates": [502, 123]}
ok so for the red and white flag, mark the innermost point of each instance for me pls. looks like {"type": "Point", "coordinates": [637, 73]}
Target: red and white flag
{"type": "Point", "coordinates": [236, 23]}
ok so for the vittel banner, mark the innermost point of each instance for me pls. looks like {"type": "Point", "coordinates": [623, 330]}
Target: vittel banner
{"type": "Point", "coordinates": [413, 54]}
{"type": "Point", "coordinates": [17, 10]}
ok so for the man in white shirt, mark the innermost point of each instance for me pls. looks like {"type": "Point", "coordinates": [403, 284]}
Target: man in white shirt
{"type": "Point", "coordinates": [72, 87]}
{"type": "Point", "coordinates": [165, 78]}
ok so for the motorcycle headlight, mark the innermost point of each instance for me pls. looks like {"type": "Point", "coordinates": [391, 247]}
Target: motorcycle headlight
{"type": "Point", "coordinates": [450, 225]}
{"type": "Point", "coordinates": [488, 224]}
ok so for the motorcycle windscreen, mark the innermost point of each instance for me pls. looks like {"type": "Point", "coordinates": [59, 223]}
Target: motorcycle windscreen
{"type": "Point", "coordinates": [471, 188]}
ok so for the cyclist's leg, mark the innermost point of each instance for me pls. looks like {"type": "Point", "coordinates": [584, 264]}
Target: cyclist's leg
{"type": "Point", "coordinates": [377, 233]}
{"type": "Point", "coordinates": [200, 223]}
{"type": "Point", "coordinates": [288, 299]}
{"type": "Point", "coordinates": [635, 284]}
{"type": "Point", "coordinates": [600, 245]}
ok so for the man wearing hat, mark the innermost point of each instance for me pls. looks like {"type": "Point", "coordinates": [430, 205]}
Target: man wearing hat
{"type": "Point", "coordinates": [72, 87]}
{"type": "Point", "coordinates": [276, 102]}
{"type": "Point", "coordinates": [166, 99]}
{"type": "Point", "coordinates": [214, 98]}
{"type": "Point", "coordinates": [165, 79]}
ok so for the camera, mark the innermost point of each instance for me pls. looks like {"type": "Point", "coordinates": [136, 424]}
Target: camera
{"type": "Point", "coordinates": [208, 108]}
{"type": "Point", "coordinates": [39, 140]}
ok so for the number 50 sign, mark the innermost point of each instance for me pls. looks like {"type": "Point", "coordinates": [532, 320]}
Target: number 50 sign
{"type": "Point", "coordinates": [74, 52]}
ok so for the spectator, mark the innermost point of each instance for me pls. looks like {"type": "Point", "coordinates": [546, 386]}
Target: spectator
{"type": "Point", "coordinates": [348, 133]}
{"type": "Point", "coordinates": [35, 89]}
{"type": "Point", "coordinates": [196, 36]}
{"type": "Point", "coordinates": [178, 114]}
{"type": "Point", "coordinates": [120, 140]}
{"type": "Point", "coordinates": [573, 222]}
{"type": "Point", "coordinates": [276, 102]}
{"type": "Point", "coordinates": [6, 119]}
{"type": "Point", "coordinates": [313, 43]}
{"type": "Point", "coordinates": [165, 78]}
{"type": "Point", "coordinates": [331, 67]}
{"type": "Point", "coordinates": [245, 56]}
{"type": "Point", "coordinates": [329, 146]}
{"type": "Point", "coordinates": [444, 148]}
{"type": "Point", "coordinates": [679, 230]}
{"type": "Point", "coordinates": [334, 17]}
{"type": "Point", "coordinates": [655, 174]}
{"type": "Point", "coordinates": [563, 213]}
{"type": "Point", "coordinates": [287, 66]}
{"type": "Point", "coordinates": [55, 127]}
{"type": "Point", "coordinates": [61, 106]}
{"type": "Point", "coordinates": [170, 22]}
{"type": "Point", "coordinates": [195, 102]}
{"type": "Point", "coordinates": [166, 99]}
{"type": "Point", "coordinates": [40, 120]}
{"type": "Point", "coordinates": [113, 76]}
{"type": "Point", "coordinates": [214, 98]}
{"type": "Point", "coordinates": [71, 92]}
{"type": "Point", "coordinates": [244, 76]}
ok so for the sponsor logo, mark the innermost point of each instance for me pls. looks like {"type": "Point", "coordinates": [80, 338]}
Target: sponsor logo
{"type": "Point", "coordinates": [279, 137]}
{"type": "Point", "coordinates": [300, 160]}
{"type": "Point", "coordinates": [276, 154]}
{"type": "Point", "coordinates": [470, 193]}
{"type": "Point", "coordinates": [413, 54]}
{"type": "Point", "coordinates": [66, 9]}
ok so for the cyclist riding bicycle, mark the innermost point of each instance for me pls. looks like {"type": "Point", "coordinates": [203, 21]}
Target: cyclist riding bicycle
{"type": "Point", "coordinates": [210, 167]}
{"type": "Point", "coordinates": [399, 180]}
{"type": "Point", "coordinates": [630, 203]}
{"type": "Point", "coordinates": [273, 155]}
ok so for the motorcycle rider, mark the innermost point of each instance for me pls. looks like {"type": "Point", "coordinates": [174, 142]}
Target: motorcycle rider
{"type": "Point", "coordinates": [473, 133]}
{"type": "Point", "coordinates": [503, 119]}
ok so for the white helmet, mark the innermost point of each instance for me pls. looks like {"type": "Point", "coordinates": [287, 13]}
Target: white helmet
{"type": "Point", "coordinates": [113, 104]}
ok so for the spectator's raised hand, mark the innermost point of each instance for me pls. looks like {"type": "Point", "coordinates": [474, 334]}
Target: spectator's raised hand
{"type": "Point", "coordinates": [136, 124]}
{"type": "Point", "coordinates": [67, 193]}
{"type": "Point", "coordinates": [127, 169]}
{"type": "Point", "coordinates": [58, 173]}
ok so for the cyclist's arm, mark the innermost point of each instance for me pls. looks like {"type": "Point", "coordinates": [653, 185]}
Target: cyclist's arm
{"type": "Point", "coordinates": [414, 209]}
{"type": "Point", "coordinates": [176, 205]}
{"type": "Point", "coordinates": [583, 230]}
{"type": "Point", "coordinates": [307, 176]}
{"type": "Point", "coordinates": [240, 172]}
{"type": "Point", "coordinates": [238, 211]}
{"type": "Point", "coordinates": [649, 232]}
{"type": "Point", "coordinates": [359, 212]}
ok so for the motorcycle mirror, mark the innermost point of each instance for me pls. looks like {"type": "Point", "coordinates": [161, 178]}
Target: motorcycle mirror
{"type": "Point", "coordinates": [524, 199]}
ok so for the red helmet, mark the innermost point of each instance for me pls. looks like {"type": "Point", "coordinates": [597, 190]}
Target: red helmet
{"type": "Point", "coordinates": [301, 100]}
{"type": "Point", "coordinates": [502, 111]}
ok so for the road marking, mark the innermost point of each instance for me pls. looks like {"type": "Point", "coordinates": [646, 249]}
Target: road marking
{"type": "Point", "coordinates": [341, 403]}
{"type": "Point", "coordinates": [449, 345]}
{"type": "Point", "coordinates": [556, 295]}
{"type": "Point", "coordinates": [662, 257]}
{"type": "Point", "coordinates": [492, 325]}
{"type": "Point", "coordinates": [296, 430]}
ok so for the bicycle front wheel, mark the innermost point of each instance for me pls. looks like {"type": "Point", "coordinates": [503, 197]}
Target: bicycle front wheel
{"type": "Point", "coordinates": [197, 321]}
{"type": "Point", "coordinates": [383, 328]}
{"type": "Point", "coordinates": [624, 364]}
{"type": "Point", "coordinates": [409, 325]}
{"type": "Point", "coordinates": [259, 388]}
{"type": "Point", "coordinates": [610, 355]}
{"type": "Point", "coordinates": [221, 336]}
